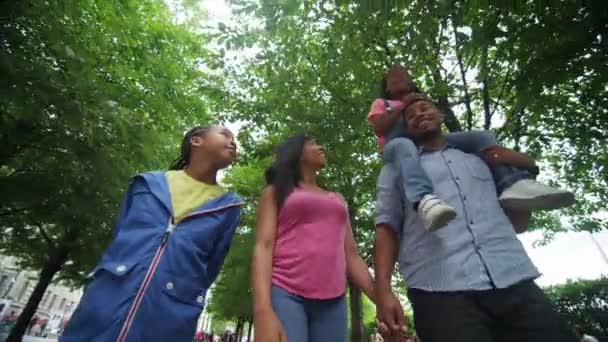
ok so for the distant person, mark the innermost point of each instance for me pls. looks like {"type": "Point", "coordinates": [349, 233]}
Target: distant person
{"type": "Point", "coordinates": [304, 251]}
{"type": "Point", "coordinates": [471, 281]}
{"type": "Point", "coordinates": [36, 330]}
{"type": "Point", "coordinates": [32, 323]}
{"type": "Point", "coordinates": [12, 316]}
{"type": "Point", "coordinates": [173, 231]}
{"type": "Point", "coordinates": [512, 171]}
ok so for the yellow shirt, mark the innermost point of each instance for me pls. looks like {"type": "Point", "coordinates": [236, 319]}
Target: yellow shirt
{"type": "Point", "coordinates": [188, 194]}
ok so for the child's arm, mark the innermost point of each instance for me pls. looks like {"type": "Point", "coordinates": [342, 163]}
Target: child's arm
{"type": "Point", "coordinates": [380, 120]}
{"type": "Point", "coordinates": [496, 155]}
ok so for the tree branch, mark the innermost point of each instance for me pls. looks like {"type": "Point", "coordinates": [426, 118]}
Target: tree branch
{"type": "Point", "coordinates": [18, 171]}
{"type": "Point", "coordinates": [438, 42]}
{"type": "Point", "coordinates": [10, 212]}
{"type": "Point", "coordinates": [467, 97]}
{"type": "Point", "coordinates": [45, 236]}
{"type": "Point", "coordinates": [372, 47]}
{"type": "Point", "coordinates": [318, 74]}
{"type": "Point", "coordinates": [518, 128]}
{"type": "Point", "coordinates": [502, 91]}
{"type": "Point", "coordinates": [462, 100]}
{"type": "Point", "coordinates": [485, 91]}
{"type": "Point", "coordinates": [389, 56]}
{"type": "Point", "coordinates": [487, 117]}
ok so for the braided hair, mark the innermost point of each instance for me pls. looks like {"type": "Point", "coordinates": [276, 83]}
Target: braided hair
{"type": "Point", "coordinates": [186, 149]}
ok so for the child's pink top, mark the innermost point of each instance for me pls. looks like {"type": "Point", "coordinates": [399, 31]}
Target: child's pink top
{"type": "Point", "coordinates": [309, 258]}
{"type": "Point", "coordinates": [378, 108]}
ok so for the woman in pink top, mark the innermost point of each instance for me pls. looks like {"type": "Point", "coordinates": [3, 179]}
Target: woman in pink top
{"type": "Point", "coordinates": [304, 250]}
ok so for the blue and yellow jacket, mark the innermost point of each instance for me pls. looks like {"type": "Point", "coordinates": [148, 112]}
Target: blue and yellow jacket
{"type": "Point", "coordinates": [151, 282]}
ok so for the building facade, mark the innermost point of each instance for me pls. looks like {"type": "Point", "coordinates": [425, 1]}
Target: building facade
{"type": "Point", "coordinates": [16, 286]}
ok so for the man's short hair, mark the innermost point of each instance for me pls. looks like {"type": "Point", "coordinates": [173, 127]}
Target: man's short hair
{"type": "Point", "coordinates": [420, 97]}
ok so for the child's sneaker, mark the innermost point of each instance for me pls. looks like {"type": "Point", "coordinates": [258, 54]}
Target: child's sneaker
{"type": "Point", "coordinates": [528, 194]}
{"type": "Point", "coordinates": [435, 213]}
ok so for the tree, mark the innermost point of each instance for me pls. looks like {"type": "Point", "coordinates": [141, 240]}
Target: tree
{"type": "Point", "coordinates": [231, 294]}
{"type": "Point", "coordinates": [318, 63]}
{"type": "Point", "coordinates": [583, 304]}
{"type": "Point", "coordinates": [92, 92]}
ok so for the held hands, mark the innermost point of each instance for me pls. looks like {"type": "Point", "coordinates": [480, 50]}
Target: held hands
{"type": "Point", "coordinates": [390, 318]}
{"type": "Point", "coordinates": [267, 327]}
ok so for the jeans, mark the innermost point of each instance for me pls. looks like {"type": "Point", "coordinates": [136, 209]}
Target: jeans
{"type": "Point", "coordinates": [310, 320]}
{"type": "Point", "coordinates": [519, 313]}
{"type": "Point", "coordinates": [403, 153]}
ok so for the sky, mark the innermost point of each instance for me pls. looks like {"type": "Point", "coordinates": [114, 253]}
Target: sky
{"type": "Point", "coordinates": [569, 256]}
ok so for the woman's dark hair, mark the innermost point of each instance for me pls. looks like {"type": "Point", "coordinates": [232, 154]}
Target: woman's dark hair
{"type": "Point", "coordinates": [186, 149]}
{"type": "Point", "coordinates": [384, 94]}
{"type": "Point", "coordinates": [284, 173]}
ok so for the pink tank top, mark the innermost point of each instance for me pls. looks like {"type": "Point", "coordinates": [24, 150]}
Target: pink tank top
{"type": "Point", "coordinates": [309, 258]}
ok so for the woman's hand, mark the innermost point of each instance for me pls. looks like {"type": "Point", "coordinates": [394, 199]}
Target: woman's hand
{"type": "Point", "coordinates": [267, 327]}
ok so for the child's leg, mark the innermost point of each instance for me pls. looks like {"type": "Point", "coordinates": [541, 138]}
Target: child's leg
{"type": "Point", "coordinates": [403, 154]}
{"type": "Point", "coordinates": [476, 142]}
{"type": "Point", "coordinates": [513, 173]}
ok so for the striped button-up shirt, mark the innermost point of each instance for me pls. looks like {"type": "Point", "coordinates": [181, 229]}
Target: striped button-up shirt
{"type": "Point", "coordinates": [478, 250]}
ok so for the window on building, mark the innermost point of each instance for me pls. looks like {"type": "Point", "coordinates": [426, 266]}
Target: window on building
{"type": "Point", "coordinates": [3, 282]}
{"type": "Point", "coordinates": [45, 299]}
{"type": "Point", "coordinates": [9, 287]}
{"type": "Point", "coordinates": [62, 304]}
{"type": "Point", "coordinates": [23, 291]}
{"type": "Point", "coordinates": [53, 300]}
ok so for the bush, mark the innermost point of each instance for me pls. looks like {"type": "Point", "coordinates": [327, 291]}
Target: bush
{"type": "Point", "coordinates": [584, 304]}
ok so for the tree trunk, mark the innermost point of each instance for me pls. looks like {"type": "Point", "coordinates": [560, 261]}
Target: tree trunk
{"type": "Point", "coordinates": [56, 259]}
{"type": "Point", "coordinates": [487, 117]}
{"type": "Point", "coordinates": [249, 331]}
{"type": "Point", "coordinates": [450, 119]}
{"type": "Point", "coordinates": [356, 322]}
{"type": "Point", "coordinates": [487, 114]}
{"type": "Point", "coordinates": [463, 77]}
{"type": "Point", "coordinates": [238, 327]}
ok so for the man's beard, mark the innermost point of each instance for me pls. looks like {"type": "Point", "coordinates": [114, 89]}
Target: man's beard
{"type": "Point", "coordinates": [426, 136]}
